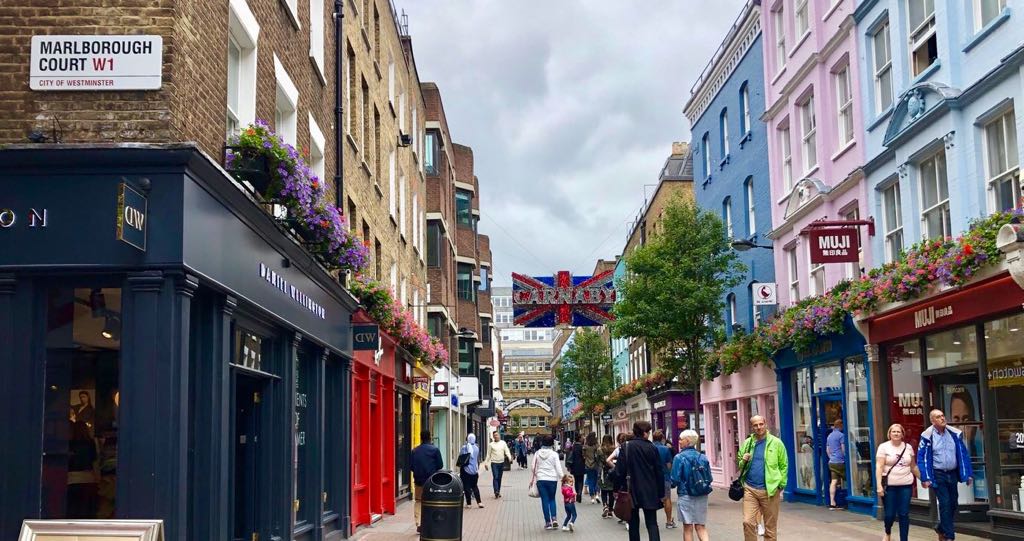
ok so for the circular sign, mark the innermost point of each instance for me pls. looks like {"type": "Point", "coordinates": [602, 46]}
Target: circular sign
{"type": "Point", "coordinates": [440, 388]}
{"type": "Point", "coordinates": [765, 292]}
{"type": "Point", "coordinates": [495, 423]}
{"type": "Point", "coordinates": [622, 414]}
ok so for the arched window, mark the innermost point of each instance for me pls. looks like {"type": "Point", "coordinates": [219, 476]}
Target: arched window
{"type": "Point", "coordinates": [705, 147]}
{"type": "Point", "coordinates": [751, 217]}
{"type": "Point", "coordinates": [723, 124]}
{"type": "Point", "coordinates": [731, 315]}
{"type": "Point", "coordinates": [744, 108]}
{"type": "Point", "coordinates": [727, 216]}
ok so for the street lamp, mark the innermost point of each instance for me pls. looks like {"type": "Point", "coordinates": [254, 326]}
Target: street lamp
{"type": "Point", "coordinates": [742, 245]}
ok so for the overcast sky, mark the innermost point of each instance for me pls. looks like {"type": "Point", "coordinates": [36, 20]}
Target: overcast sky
{"type": "Point", "coordinates": [571, 106]}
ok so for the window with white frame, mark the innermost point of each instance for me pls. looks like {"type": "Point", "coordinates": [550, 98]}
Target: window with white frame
{"type": "Point", "coordinates": [754, 309]}
{"type": "Point", "coordinates": [751, 214]}
{"type": "Point", "coordinates": [727, 216]}
{"type": "Point", "coordinates": [402, 216]}
{"type": "Point", "coordinates": [815, 275]}
{"type": "Point", "coordinates": [316, 34]}
{"type": "Point", "coordinates": [1003, 164]}
{"type": "Point", "coordinates": [515, 385]}
{"type": "Point", "coordinates": [787, 158]}
{"type": "Point", "coordinates": [779, 26]}
{"type": "Point", "coordinates": [317, 148]}
{"type": "Point", "coordinates": [350, 92]}
{"type": "Point", "coordinates": [934, 197]}
{"type": "Point", "coordinates": [986, 11]}
{"type": "Point", "coordinates": [723, 125]}
{"type": "Point", "coordinates": [808, 129]}
{"type": "Point", "coordinates": [892, 222]}
{"type": "Point", "coordinates": [844, 101]}
{"type": "Point", "coordinates": [364, 101]}
{"type": "Point", "coordinates": [404, 296]}
{"type": "Point", "coordinates": [243, 34]}
{"type": "Point", "coordinates": [392, 185]}
{"type": "Point", "coordinates": [852, 269]}
{"type": "Point", "coordinates": [391, 78]}
{"type": "Point", "coordinates": [924, 46]}
{"type": "Point", "coordinates": [732, 311]}
{"type": "Point", "coordinates": [287, 105]}
{"type": "Point", "coordinates": [705, 147]}
{"type": "Point", "coordinates": [401, 110]}
{"type": "Point", "coordinates": [415, 222]}
{"type": "Point", "coordinates": [415, 134]}
{"type": "Point", "coordinates": [801, 18]}
{"type": "Point", "coordinates": [505, 368]}
{"type": "Point", "coordinates": [394, 279]}
{"type": "Point", "coordinates": [744, 108]}
{"type": "Point", "coordinates": [506, 385]}
{"type": "Point", "coordinates": [794, 275]}
{"type": "Point", "coordinates": [881, 51]}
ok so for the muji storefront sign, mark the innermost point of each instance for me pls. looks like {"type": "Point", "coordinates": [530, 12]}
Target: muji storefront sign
{"type": "Point", "coordinates": [96, 63]}
{"type": "Point", "coordinates": [834, 245]}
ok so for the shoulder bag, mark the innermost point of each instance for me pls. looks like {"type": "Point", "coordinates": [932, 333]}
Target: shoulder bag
{"type": "Point", "coordinates": [534, 492]}
{"type": "Point", "coordinates": [736, 488]}
{"type": "Point", "coordinates": [885, 478]}
{"type": "Point", "coordinates": [463, 457]}
{"type": "Point", "coordinates": [623, 499]}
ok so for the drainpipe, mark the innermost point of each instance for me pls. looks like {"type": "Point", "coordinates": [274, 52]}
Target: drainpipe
{"type": "Point", "coordinates": [339, 117]}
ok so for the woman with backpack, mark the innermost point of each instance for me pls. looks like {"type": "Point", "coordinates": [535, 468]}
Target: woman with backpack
{"type": "Point", "coordinates": [691, 475]}
{"type": "Point", "coordinates": [640, 464]}
{"type": "Point", "coordinates": [604, 480]}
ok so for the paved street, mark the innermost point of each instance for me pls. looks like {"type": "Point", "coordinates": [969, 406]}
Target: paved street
{"type": "Point", "coordinates": [517, 517]}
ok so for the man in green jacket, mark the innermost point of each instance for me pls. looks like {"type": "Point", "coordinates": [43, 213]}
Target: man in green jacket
{"type": "Point", "coordinates": [764, 469]}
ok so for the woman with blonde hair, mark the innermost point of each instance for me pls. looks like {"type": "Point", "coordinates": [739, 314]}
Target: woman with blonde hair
{"type": "Point", "coordinates": [894, 478]}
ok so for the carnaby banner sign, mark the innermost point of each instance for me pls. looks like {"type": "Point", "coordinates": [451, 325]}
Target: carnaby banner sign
{"type": "Point", "coordinates": [834, 245]}
{"type": "Point", "coordinates": [563, 299]}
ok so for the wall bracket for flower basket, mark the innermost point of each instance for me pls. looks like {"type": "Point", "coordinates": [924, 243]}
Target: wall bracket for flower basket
{"type": "Point", "coordinates": [246, 165]}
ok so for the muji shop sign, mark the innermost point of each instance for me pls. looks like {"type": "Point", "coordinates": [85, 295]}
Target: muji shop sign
{"type": "Point", "coordinates": [96, 63]}
{"type": "Point", "coordinates": [834, 245]}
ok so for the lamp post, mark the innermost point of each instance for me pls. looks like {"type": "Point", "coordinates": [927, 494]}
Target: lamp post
{"type": "Point", "coordinates": [742, 245]}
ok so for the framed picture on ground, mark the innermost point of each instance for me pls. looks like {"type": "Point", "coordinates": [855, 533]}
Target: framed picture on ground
{"type": "Point", "coordinates": [92, 530]}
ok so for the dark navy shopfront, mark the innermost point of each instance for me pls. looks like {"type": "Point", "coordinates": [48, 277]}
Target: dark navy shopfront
{"type": "Point", "coordinates": [168, 351]}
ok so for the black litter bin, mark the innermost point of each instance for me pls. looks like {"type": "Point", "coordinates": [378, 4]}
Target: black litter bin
{"type": "Point", "coordinates": [441, 518]}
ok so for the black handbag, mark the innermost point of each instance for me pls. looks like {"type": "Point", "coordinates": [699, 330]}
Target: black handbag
{"type": "Point", "coordinates": [885, 478]}
{"type": "Point", "coordinates": [463, 459]}
{"type": "Point", "coordinates": [736, 488]}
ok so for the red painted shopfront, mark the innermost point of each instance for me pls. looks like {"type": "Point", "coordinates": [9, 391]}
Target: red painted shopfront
{"type": "Point", "coordinates": [373, 430]}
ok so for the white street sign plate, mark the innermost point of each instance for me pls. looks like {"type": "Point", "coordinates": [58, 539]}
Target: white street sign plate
{"type": "Point", "coordinates": [96, 63]}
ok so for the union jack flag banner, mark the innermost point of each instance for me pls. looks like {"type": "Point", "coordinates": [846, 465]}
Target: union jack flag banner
{"type": "Point", "coordinates": [562, 299]}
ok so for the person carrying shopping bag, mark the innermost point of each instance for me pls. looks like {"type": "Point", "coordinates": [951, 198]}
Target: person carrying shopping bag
{"type": "Point", "coordinates": [547, 472]}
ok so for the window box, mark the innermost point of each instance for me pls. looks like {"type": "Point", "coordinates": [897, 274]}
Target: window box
{"type": "Point", "coordinates": [248, 166]}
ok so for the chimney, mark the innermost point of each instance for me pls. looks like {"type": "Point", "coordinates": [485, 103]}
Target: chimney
{"type": "Point", "coordinates": [679, 148]}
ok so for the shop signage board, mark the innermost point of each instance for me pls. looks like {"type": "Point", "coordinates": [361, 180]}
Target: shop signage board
{"type": "Point", "coordinates": [606, 417]}
{"type": "Point", "coordinates": [96, 63]}
{"type": "Point", "coordinates": [834, 245]}
{"type": "Point", "coordinates": [365, 337]}
{"type": "Point", "coordinates": [92, 530]}
{"type": "Point", "coordinates": [132, 211]}
{"type": "Point", "coordinates": [1016, 440]}
{"type": "Point", "coordinates": [563, 299]}
{"type": "Point", "coordinates": [765, 293]}
{"type": "Point", "coordinates": [440, 388]}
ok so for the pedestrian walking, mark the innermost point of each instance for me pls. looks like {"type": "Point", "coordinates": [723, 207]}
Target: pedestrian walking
{"type": "Point", "coordinates": [576, 465]}
{"type": "Point", "coordinates": [835, 445]}
{"type": "Point", "coordinates": [765, 467]}
{"type": "Point", "coordinates": [569, 498]}
{"type": "Point", "coordinates": [426, 460]}
{"type": "Point", "coordinates": [640, 464]}
{"type": "Point", "coordinates": [605, 475]}
{"type": "Point", "coordinates": [943, 461]}
{"type": "Point", "coordinates": [691, 475]}
{"type": "Point", "coordinates": [665, 454]}
{"type": "Point", "coordinates": [497, 456]}
{"type": "Point", "coordinates": [618, 483]}
{"type": "Point", "coordinates": [547, 472]}
{"type": "Point", "coordinates": [894, 479]}
{"type": "Point", "coordinates": [592, 467]}
{"type": "Point", "coordinates": [469, 471]}
{"type": "Point", "coordinates": [521, 451]}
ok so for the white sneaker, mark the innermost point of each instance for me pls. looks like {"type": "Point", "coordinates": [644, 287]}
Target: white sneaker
{"type": "Point", "coordinates": [760, 529]}
{"type": "Point", "coordinates": [571, 528]}
{"type": "Point", "coordinates": [565, 528]}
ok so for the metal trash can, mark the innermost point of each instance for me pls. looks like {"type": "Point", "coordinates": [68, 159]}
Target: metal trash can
{"type": "Point", "coordinates": [441, 518]}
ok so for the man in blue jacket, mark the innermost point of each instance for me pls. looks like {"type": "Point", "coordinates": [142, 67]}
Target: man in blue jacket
{"type": "Point", "coordinates": [944, 461]}
{"type": "Point", "coordinates": [426, 461]}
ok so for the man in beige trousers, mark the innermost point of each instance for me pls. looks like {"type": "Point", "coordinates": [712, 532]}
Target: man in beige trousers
{"type": "Point", "coordinates": [765, 468]}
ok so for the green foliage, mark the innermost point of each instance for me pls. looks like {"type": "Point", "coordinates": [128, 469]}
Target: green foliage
{"type": "Point", "coordinates": [672, 294]}
{"type": "Point", "coordinates": [585, 370]}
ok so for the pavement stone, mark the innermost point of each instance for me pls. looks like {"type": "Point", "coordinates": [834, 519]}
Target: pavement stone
{"type": "Point", "coordinates": [517, 517]}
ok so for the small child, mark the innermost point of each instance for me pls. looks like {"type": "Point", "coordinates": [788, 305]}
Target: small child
{"type": "Point", "coordinates": [569, 498]}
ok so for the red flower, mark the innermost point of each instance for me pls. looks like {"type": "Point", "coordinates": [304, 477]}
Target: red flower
{"type": "Point", "coordinates": [968, 250]}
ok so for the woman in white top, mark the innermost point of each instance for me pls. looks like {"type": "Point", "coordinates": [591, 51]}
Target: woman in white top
{"type": "Point", "coordinates": [497, 453]}
{"type": "Point", "coordinates": [894, 478]}
{"type": "Point", "coordinates": [547, 472]}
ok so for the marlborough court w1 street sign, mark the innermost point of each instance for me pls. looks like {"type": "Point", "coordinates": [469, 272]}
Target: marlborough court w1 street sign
{"type": "Point", "coordinates": [562, 299]}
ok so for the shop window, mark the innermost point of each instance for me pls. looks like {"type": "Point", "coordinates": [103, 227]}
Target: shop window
{"type": "Point", "coordinates": [463, 208]}
{"type": "Point", "coordinates": [1004, 347]}
{"type": "Point", "coordinates": [906, 401]}
{"type": "Point", "coordinates": [716, 424]}
{"type": "Point", "coordinates": [304, 422]}
{"type": "Point", "coordinates": [858, 429]}
{"type": "Point", "coordinates": [951, 348]}
{"type": "Point", "coordinates": [803, 428]}
{"type": "Point", "coordinates": [83, 357]}
{"type": "Point", "coordinates": [248, 349]}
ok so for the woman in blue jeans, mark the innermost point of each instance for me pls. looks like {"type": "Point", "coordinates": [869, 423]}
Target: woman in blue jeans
{"type": "Point", "coordinates": [547, 471]}
{"type": "Point", "coordinates": [897, 465]}
{"type": "Point", "coordinates": [593, 465]}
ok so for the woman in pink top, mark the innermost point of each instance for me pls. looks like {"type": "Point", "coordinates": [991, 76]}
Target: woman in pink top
{"type": "Point", "coordinates": [894, 477]}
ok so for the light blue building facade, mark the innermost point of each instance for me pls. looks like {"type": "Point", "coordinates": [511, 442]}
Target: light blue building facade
{"type": "Point", "coordinates": [942, 81]}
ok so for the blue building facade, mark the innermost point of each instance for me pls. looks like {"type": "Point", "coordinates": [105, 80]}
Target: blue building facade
{"type": "Point", "coordinates": [941, 84]}
{"type": "Point", "coordinates": [730, 157]}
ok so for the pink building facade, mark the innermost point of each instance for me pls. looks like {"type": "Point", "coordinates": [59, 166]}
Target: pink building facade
{"type": "Point", "coordinates": [815, 136]}
{"type": "Point", "coordinates": [729, 402]}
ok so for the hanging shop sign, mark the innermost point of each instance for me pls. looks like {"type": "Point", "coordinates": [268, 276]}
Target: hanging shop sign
{"type": "Point", "coordinates": [606, 417]}
{"type": "Point", "coordinates": [562, 299]}
{"type": "Point", "coordinates": [96, 63]}
{"type": "Point", "coordinates": [365, 337]}
{"type": "Point", "coordinates": [132, 210]}
{"type": "Point", "coordinates": [834, 245]}
{"type": "Point", "coordinates": [440, 388]}
{"type": "Point", "coordinates": [765, 293]}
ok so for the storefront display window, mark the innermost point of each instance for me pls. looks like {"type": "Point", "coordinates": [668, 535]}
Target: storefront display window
{"type": "Point", "coordinates": [80, 429]}
{"type": "Point", "coordinates": [304, 375]}
{"type": "Point", "coordinates": [803, 427]}
{"type": "Point", "coordinates": [858, 431]}
{"type": "Point", "coordinates": [716, 426]}
{"type": "Point", "coordinates": [770, 416]}
{"type": "Point", "coordinates": [1004, 346]}
{"type": "Point", "coordinates": [827, 377]}
{"type": "Point", "coordinates": [952, 348]}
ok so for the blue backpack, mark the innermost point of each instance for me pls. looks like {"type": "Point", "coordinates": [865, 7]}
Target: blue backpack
{"type": "Point", "coordinates": [697, 475]}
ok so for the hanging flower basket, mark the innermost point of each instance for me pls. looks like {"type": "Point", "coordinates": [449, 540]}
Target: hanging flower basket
{"type": "Point", "coordinates": [248, 165]}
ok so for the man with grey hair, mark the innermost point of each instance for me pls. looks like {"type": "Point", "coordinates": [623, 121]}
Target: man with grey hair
{"type": "Point", "coordinates": [944, 461]}
{"type": "Point", "coordinates": [691, 475]}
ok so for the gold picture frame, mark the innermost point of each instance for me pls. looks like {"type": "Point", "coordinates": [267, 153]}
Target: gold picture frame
{"type": "Point", "coordinates": [92, 530]}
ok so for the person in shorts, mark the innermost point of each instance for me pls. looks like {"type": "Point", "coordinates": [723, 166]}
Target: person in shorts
{"type": "Point", "coordinates": [836, 446]}
{"type": "Point", "coordinates": [693, 508]}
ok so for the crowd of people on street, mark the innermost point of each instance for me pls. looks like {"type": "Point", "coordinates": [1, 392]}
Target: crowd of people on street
{"type": "Point", "coordinates": [636, 473]}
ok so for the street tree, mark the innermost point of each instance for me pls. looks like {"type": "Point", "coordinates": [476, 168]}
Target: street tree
{"type": "Point", "coordinates": [585, 370]}
{"type": "Point", "coordinates": [673, 292]}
